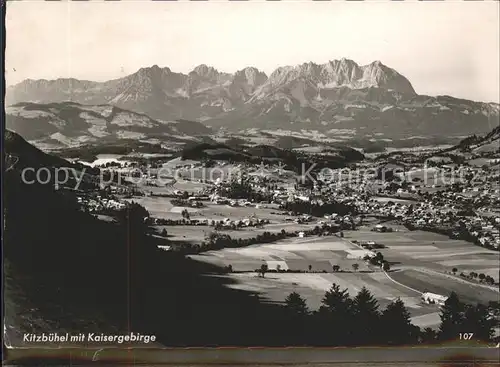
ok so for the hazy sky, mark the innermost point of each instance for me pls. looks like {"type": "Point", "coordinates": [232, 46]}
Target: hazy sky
{"type": "Point", "coordinates": [449, 47]}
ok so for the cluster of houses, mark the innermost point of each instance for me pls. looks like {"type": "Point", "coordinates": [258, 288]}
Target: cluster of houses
{"type": "Point", "coordinates": [99, 203]}
{"type": "Point", "coordinates": [461, 203]}
{"type": "Point", "coordinates": [221, 200]}
{"type": "Point", "coordinates": [427, 214]}
{"type": "Point", "coordinates": [228, 223]}
{"type": "Point", "coordinates": [225, 223]}
{"type": "Point", "coordinates": [444, 208]}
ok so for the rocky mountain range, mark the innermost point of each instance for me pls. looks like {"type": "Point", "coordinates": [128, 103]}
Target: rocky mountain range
{"type": "Point", "coordinates": [373, 99]}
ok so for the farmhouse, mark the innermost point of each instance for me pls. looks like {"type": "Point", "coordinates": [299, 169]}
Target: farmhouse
{"type": "Point", "coordinates": [165, 248]}
{"type": "Point", "coordinates": [432, 298]}
{"type": "Point", "coordinates": [381, 228]}
{"type": "Point", "coordinates": [360, 254]}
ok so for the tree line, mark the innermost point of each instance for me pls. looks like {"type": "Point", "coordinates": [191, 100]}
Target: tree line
{"type": "Point", "coordinates": [342, 320]}
{"type": "Point", "coordinates": [473, 275]}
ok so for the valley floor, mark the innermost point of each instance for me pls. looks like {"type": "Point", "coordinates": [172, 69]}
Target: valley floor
{"type": "Point", "coordinates": [421, 262]}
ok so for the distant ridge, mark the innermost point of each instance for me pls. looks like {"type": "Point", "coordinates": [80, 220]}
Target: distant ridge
{"type": "Point", "coordinates": [72, 124]}
{"type": "Point", "coordinates": [340, 94]}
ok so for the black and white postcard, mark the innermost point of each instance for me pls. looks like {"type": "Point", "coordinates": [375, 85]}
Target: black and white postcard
{"type": "Point", "coordinates": [251, 174]}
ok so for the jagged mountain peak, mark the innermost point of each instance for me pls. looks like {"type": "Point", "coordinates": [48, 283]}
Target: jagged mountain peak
{"type": "Point", "coordinates": [153, 71]}
{"type": "Point", "coordinates": [378, 65]}
{"type": "Point", "coordinates": [385, 77]}
{"type": "Point", "coordinates": [343, 61]}
{"type": "Point", "coordinates": [308, 65]}
{"type": "Point", "coordinates": [281, 70]}
{"type": "Point", "coordinates": [342, 73]}
{"type": "Point", "coordinates": [340, 92]}
{"type": "Point", "coordinates": [250, 75]}
{"type": "Point", "coordinates": [206, 71]}
{"type": "Point", "coordinates": [249, 70]}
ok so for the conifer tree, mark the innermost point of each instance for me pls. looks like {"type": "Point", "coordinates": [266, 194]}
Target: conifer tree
{"type": "Point", "coordinates": [397, 326]}
{"type": "Point", "coordinates": [451, 318]}
{"type": "Point", "coordinates": [295, 305]}
{"type": "Point", "coordinates": [334, 317]}
{"type": "Point", "coordinates": [336, 301]}
{"type": "Point", "coordinates": [366, 318]}
{"type": "Point", "coordinates": [477, 321]}
{"type": "Point", "coordinates": [296, 321]}
{"type": "Point", "coordinates": [428, 335]}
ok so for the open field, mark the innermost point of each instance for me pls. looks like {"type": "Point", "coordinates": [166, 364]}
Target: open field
{"type": "Point", "coordinates": [295, 254]}
{"type": "Point", "coordinates": [156, 206]}
{"type": "Point", "coordinates": [162, 207]}
{"type": "Point", "coordinates": [321, 253]}
{"type": "Point", "coordinates": [405, 250]}
{"type": "Point", "coordinates": [196, 234]}
{"type": "Point", "coordinates": [430, 250]}
{"type": "Point", "coordinates": [312, 286]}
{"type": "Point", "coordinates": [419, 259]}
{"type": "Point", "coordinates": [431, 282]}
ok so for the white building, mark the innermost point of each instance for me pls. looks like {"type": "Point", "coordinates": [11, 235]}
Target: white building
{"type": "Point", "coordinates": [432, 298]}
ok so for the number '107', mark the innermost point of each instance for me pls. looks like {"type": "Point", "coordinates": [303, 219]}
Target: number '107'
{"type": "Point", "coordinates": [466, 336]}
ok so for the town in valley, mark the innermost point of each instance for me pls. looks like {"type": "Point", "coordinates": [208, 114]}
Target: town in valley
{"type": "Point", "coordinates": [326, 203]}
